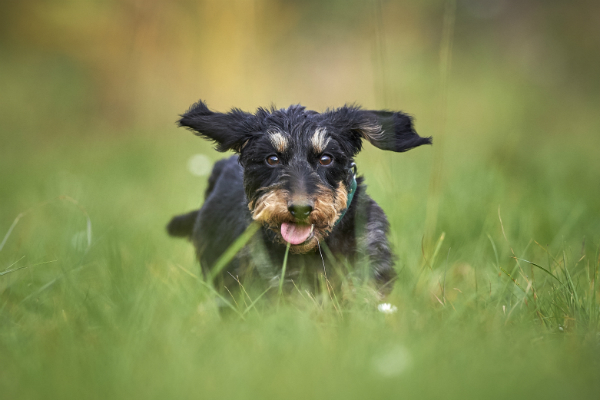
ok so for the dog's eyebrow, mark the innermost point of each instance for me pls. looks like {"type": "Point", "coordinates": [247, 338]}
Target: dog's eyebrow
{"type": "Point", "coordinates": [319, 140]}
{"type": "Point", "coordinates": [278, 140]}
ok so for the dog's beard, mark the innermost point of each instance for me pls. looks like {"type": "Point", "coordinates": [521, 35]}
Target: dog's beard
{"type": "Point", "coordinates": [271, 209]}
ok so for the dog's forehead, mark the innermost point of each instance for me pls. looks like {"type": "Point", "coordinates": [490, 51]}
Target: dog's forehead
{"type": "Point", "coordinates": [293, 121]}
{"type": "Point", "coordinates": [298, 128]}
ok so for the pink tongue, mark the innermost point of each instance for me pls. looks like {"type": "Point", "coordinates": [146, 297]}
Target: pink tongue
{"type": "Point", "coordinates": [295, 234]}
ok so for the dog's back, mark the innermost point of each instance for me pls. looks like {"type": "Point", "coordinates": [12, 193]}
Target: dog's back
{"type": "Point", "coordinates": [183, 225]}
{"type": "Point", "coordinates": [221, 219]}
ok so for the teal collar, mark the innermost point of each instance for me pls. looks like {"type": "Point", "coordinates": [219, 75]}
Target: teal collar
{"type": "Point", "coordinates": [351, 192]}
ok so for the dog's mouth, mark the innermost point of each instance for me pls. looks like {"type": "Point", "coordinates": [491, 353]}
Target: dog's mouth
{"type": "Point", "coordinates": [296, 234]}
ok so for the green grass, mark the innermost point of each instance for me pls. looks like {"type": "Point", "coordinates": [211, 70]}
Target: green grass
{"type": "Point", "coordinates": [126, 316]}
{"type": "Point", "coordinates": [502, 301]}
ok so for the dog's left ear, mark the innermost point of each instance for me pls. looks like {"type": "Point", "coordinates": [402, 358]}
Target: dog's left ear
{"type": "Point", "coordinates": [387, 130]}
{"type": "Point", "coordinates": [393, 130]}
{"type": "Point", "coordinates": [228, 131]}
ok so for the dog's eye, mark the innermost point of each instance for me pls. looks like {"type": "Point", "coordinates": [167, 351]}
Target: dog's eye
{"type": "Point", "coordinates": [325, 159]}
{"type": "Point", "coordinates": [272, 160]}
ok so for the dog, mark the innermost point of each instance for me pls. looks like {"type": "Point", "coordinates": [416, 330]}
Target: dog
{"type": "Point", "coordinates": [294, 175]}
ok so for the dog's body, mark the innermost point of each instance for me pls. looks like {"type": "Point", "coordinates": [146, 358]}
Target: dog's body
{"type": "Point", "coordinates": [295, 175]}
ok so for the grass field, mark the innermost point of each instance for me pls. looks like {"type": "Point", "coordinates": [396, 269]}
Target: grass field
{"type": "Point", "coordinates": [496, 229]}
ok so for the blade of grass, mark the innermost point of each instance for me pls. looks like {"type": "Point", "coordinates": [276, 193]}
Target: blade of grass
{"type": "Point", "coordinates": [8, 271]}
{"type": "Point", "coordinates": [283, 268]}
{"type": "Point", "coordinates": [445, 271]}
{"type": "Point", "coordinates": [495, 251]}
{"type": "Point", "coordinates": [211, 289]}
{"type": "Point", "coordinates": [568, 275]}
{"type": "Point", "coordinates": [23, 267]}
{"type": "Point", "coordinates": [252, 305]}
{"type": "Point", "coordinates": [513, 279]}
{"type": "Point", "coordinates": [234, 249]}
{"type": "Point", "coordinates": [437, 249]}
{"type": "Point", "coordinates": [426, 261]}
{"type": "Point", "coordinates": [540, 267]}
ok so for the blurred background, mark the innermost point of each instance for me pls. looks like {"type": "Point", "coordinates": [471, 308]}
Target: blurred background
{"type": "Point", "coordinates": [140, 63]}
{"type": "Point", "coordinates": [96, 301]}
{"type": "Point", "coordinates": [509, 90]}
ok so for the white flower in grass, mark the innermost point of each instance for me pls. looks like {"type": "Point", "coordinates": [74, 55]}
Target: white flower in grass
{"type": "Point", "coordinates": [387, 308]}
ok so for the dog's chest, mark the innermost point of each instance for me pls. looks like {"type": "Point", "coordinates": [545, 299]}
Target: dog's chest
{"type": "Point", "coordinates": [265, 259]}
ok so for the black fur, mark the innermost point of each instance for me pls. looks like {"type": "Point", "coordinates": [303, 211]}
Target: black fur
{"type": "Point", "coordinates": [359, 238]}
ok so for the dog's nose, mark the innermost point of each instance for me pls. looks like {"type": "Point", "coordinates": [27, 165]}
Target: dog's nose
{"type": "Point", "coordinates": [300, 210]}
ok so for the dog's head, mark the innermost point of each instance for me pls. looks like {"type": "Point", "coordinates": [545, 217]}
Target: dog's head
{"type": "Point", "coordinates": [298, 163]}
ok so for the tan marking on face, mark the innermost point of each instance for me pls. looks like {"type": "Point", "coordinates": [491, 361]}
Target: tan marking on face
{"type": "Point", "coordinates": [319, 140]}
{"type": "Point", "coordinates": [271, 209]}
{"type": "Point", "coordinates": [341, 198]}
{"type": "Point", "coordinates": [278, 140]}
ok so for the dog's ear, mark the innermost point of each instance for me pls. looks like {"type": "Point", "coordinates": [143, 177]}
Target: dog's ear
{"type": "Point", "coordinates": [229, 131]}
{"type": "Point", "coordinates": [392, 130]}
{"type": "Point", "coordinates": [387, 130]}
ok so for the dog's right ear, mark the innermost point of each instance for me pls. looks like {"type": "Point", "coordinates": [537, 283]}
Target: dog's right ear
{"type": "Point", "coordinates": [229, 131]}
